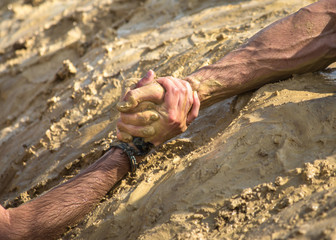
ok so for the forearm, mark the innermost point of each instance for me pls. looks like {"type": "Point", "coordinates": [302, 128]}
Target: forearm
{"type": "Point", "coordinates": [49, 215]}
{"type": "Point", "coordinates": [302, 42]}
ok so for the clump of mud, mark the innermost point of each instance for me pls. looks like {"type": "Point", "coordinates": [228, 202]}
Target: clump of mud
{"type": "Point", "coordinates": [257, 166]}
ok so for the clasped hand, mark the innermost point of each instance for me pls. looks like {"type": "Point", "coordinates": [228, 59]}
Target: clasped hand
{"type": "Point", "coordinates": [157, 109]}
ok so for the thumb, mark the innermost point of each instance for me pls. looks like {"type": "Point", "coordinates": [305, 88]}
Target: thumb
{"type": "Point", "coordinates": [153, 92]}
{"type": "Point", "coordinates": [149, 78]}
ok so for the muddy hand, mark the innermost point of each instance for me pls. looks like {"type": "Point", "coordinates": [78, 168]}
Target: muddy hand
{"type": "Point", "coordinates": [146, 90]}
{"type": "Point", "coordinates": [135, 94]}
{"type": "Point", "coordinates": [157, 123]}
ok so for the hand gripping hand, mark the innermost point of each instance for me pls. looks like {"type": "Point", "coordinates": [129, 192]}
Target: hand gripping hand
{"type": "Point", "coordinates": [157, 110]}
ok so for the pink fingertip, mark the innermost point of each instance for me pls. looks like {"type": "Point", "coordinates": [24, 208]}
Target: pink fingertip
{"type": "Point", "coordinates": [148, 78]}
{"type": "Point", "coordinates": [151, 72]}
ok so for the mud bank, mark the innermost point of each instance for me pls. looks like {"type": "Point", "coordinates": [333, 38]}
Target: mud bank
{"type": "Point", "coordinates": [257, 166]}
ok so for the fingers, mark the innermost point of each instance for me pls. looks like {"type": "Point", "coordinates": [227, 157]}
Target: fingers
{"type": "Point", "coordinates": [136, 131]}
{"type": "Point", "coordinates": [153, 141]}
{"type": "Point", "coordinates": [171, 98]}
{"type": "Point", "coordinates": [153, 92]}
{"type": "Point", "coordinates": [149, 78]}
{"type": "Point", "coordinates": [178, 99]}
{"type": "Point", "coordinates": [123, 136]}
{"type": "Point", "coordinates": [140, 118]}
{"type": "Point", "coordinates": [128, 85]}
{"type": "Point", "coordinates": [132, 83]}
{"type": "Point", "coordinates": [186, 100]}
{"type": "Point", "coordinates": [143, 106]}
{"type": "Point", "coordinates": [194, 109]}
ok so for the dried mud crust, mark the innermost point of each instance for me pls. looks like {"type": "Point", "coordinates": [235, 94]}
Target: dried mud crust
{"type": "Point", "coordinates": [298, 204]}
{"type": "Point", "coordinates": [258, 166]}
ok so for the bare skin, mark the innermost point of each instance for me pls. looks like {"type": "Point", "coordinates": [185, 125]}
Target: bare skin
{"type": "Point", "coordinates": [49, 215]}
{"type": "Point", "coordinates": [302, 42]}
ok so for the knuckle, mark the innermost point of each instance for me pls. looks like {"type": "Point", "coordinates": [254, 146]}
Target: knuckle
{"type": "Point", "coordinates": [190, 99]}
{"type": "Point", "coordinates": [185, 83]}
{"type": "Point", "coordinates": [174, 120]}
{"type": "Point", "coordinates": [183, 128]}
{"type": "Point", "coordinates": [119, 124]}
{"type": "Point", "coordinates": [141, 118]}
{"type": "Point", "coordinates": [119, 137]}
{"type": "Point", "coordinates": [128, 95]}
{"type": "Point", "coordinates": [131, 94]}
{"type": "Point", "coordinates": [148, 131]}
{"type": "Point", "coordinates": [164, 79]}
{"type": "Point", "coordinates": [126, 137]}
{"type": "Point", "coordinates": [191, 118]}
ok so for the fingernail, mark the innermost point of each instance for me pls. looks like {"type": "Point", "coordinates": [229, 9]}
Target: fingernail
{"type": "Point", "coordinates": [148, 74]}
{"type": "Point", "coordinates": [154, 117]}
{"type": "Point", "coordinates": [123, 106]}
{"type": "Point", "coordinates": [148, 131]}
{"type": "Point", "coordinates": [150, 106]}
{"type": "Point", "coordinates": [126, 137]}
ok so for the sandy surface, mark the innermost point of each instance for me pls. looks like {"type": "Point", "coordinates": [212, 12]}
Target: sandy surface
{"type": "Point", "coordinates": [257, 166]}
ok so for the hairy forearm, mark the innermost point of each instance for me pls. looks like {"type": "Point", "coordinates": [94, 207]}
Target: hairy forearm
{"type": "Point", "coordinates": [302, 42]}
{"type": "Point", "coordinates": [49, 215]}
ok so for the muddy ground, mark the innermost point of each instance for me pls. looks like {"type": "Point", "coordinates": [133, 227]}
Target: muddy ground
{"type": "Point", "coordinates": [261, 165]}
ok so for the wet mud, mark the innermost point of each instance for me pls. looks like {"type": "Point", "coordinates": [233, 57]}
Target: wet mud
{"type": "Point", "coordinates": [256, 166]}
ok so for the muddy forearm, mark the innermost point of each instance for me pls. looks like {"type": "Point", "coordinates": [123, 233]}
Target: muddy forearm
{"type": "Point", "coordinates": [302, 42]}
{"type": "Point", "coordinates": [49, 215]}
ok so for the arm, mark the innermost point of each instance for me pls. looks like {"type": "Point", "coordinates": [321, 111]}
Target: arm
{"type": "Point", "coordinates": [49, 215]}
{"type": "Point", "coordinates": [302, 42]}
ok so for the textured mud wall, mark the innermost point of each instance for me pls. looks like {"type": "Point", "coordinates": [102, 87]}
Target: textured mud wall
{"type": "Point", "coordinates": [260, 165]}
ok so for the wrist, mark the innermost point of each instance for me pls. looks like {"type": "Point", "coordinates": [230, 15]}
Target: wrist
{"type": "Point", "coordinates": [113, 158]}
{"type": "Point", "coordinates": [193, 81]}
{"type": "Point", "coordinates": [134, 151]}
{"type": "Point", "coordinates": [138, 158]}
{"type": "Point", "coordinates": [196, 83]}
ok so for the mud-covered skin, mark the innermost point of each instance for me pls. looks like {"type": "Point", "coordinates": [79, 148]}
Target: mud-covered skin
{"type": "Point", "coordinates": [157, 109]}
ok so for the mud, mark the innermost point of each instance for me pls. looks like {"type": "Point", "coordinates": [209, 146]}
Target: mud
{"type": "Point", "coordinates": [257, 166]}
